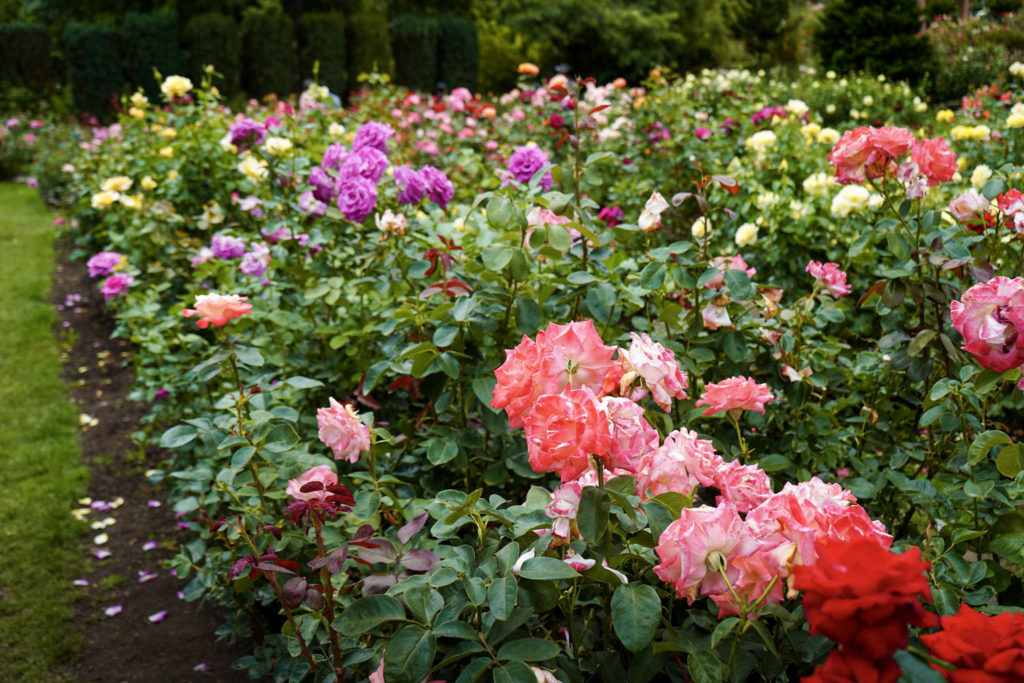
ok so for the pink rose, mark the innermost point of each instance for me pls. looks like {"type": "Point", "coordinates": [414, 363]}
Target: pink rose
{"type": "Point", "coordinates": [699, 540]}
{"type": "Point", "coordinates": [681, 463]}
{"type": "Point", "coordinates": [527, 373]}
{"type": "Point", "coordinates": [829, 276]}
{"type": "Point", "coordinates": [632, 436]}
{"type": "Point", "coordinates": [892, 141]}
{"type": "Point", "coordinates": [735, 394]}
{"type": "Point", "coordinates": [991, 319]}
{"type": "Point", "coordinates": [582, 357]}
{"type": "Point", "coordinates": [565, 502]}
{"type": "Point", "coordinates": [116, 284]}
{"type": "Point", "coordinates": [321, 474]}
{"type": "Point", "coordinates": [564, 430]}
{"type": "Point", "coordinates": [934, 160]}
{"type": "Point", "coordinates": [342, 431]}
{"type": "Point", "coordinates": [715, 316]}
{"type": "Point", "coordinates": [218, 309]}
{"type": "Point", "coordinates": [659, 370]}
{"type": "Point", "coordinates": [753, 575]}
{"type": "Point", "coordinates": [970, 204]}
{"type": "Point", "coordinates": [865, 152]}
{"type": "Point", "coordinates": [745, 486]}
{"type": "Point", "coordinates": [725, 263]}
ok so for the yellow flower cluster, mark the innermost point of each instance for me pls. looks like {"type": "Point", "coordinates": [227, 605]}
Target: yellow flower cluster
{"type": "Point", "coordinates": [175, 86]}
{"type": "Point", "coordinates": [980, 132]}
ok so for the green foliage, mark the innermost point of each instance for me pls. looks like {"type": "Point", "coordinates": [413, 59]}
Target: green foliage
{"type": "Point", "coordinates": [502, 49]}
{"type": "Point", "coordinates": [414, 45]}
{"type": "Point", "coordinates": [25, 56]}
{"type": "Point", "coordinates": [151, 40]}
{"type": "Point", "coordinates": [322, 39]}
{"type": "Point", "coordinates": [369, 43]}
{"type": "Point", "coordinates": [879, 36]}
{"type": "Point", "coordinates": [458, 52]}
{"type": "Point", "coordinates": [93, 54]}
{"type": "Point", "coordinates": [213, 38]}
{"type": "Point", "coordinates": [972, 54]}
{"type": "Point", "coordinates": [268, 56]}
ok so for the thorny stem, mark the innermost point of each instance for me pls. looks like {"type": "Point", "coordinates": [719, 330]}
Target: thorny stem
{"type": "Point", "coordinates": [325, 579]}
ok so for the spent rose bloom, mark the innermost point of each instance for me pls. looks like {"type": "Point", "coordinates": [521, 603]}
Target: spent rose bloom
{"type": "Point", "coordinates": [681, 463]}
{"type": "Point", "coordinates": [564, 430]}
{"type": "Point", "coordinates": [863, 596]}
{"type": "Point", "coordinates": [116, 284]}
{"type": "Point", "coordinates": [650, 217]}
{"type": "Point", "coordinates": [724, 263]}
{"type": "Point", "coordinates": [341, 430]}
{"type": "Point", "coordinates": [103, 263]}
{"type": "Point", "coordinates": [735, 394]}
{"type": "Point", "coordinates": [321, 474]}
{"type": "Point", "coordinates": [987, 649]}
{"type": "Point", "coordinates": [632, 434]}
{"type": "Point", "coordinates": [658, 368]}
{"type": "Point", "coordinates": [218, 309]}
{"type": "Point", "coordinates": [934, 160]}
{"type": "Point", "coordinates": [693, 547]}
{"type": "Point", "coordinates": [829, 276]}
{"type": "Point", "coordinates": [990, 318]}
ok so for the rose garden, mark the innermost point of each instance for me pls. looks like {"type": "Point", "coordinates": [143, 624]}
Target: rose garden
{"type": "Point", "coordinates": [696, 376]}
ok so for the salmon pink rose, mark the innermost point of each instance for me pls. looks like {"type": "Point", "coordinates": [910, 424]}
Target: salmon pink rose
{"type": "Point", "coordinates": [659, 370]}
{"type": "Point", "coordinates": [632, 435]}
{"type": "Point", "coordinates": [321, 474]}
{"type": "Point", "coordinates": [527, 373]}
{"type": "Point", "coordinates": [218, 309]}
{"type": "Point", "coordinates": [745, 486]}
{"type": "Point", "coordinates": [735, 394]}
{"type": "Point", "coordinates": [935, 161]}
{"type": "Point", "coordinates": [830, 277]}
{"type": "Point", "coordinates": [991, 318]}
{"type": "Point", "coordinates": [866, 152]}
{"type": "Point", "coordinates": [342, 431]}
{"type": "Point", "coordinates": [564, 430]}
{"type": "Point", "coordinates": [681, 463]}
{"type": "Point", "coordinates": [582, 358]}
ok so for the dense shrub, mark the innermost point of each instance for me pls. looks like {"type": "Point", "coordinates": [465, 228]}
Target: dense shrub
{"type": "Point", "coordinates": [213, 38]}
{"type": "Point", "coordinates": [501, 50]}
{"type": "Point", "coordinates": [269, 57]}
{"type": "Point", "coordinates": [369, 43]}
{"type": "Point", "coordinates": [414, 44]}
{"type": "Point", "coordinates": [879, 36]}
{"type": "Point", "coordinates": [25, 56]}
{"type": "Point", "coordinates": [970, 54]}
{"type": "Point", "coordinates": [151, 40]}
{"type": "Point", "coordinates": [458, 52]}
{"type": "Point", "coordinates": [322, 39]}
{"type": "Point", "coordinates": [94, 64]}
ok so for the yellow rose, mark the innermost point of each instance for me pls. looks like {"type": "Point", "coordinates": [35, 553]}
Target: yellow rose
{"type": "Point", "coordinates": [253, 167]}
{"type": "Point", "coordinates": [136, 113]}
{"type": "Point", "coordinates": [1015, 121]}
{"type": "Point", "coordinates": [699, 227]}
{"type": "Point", "coordinates": [118, 183]}
{"type": "Point", "coordinates": [132, 201]}
{"type": "Point", "coordinates": [168, 133]}
{"type": "Point", "coordinates": [828, 136]}
{"type": "Point", "coordinates": [172, 174]}
{"type": "Point", "coordinates": [102, 200]}
{"type": "Point", "coordinates": [147, 183]}
{"type": "Point", "coordinates": [277, 146]}
{"type": "Point", "coordinates": [981, 132]}
{"type": "Point", "coordinates": [336, 130]}
{"type": "Point", "coordinates": [139, 100]}
{"type": "Point", "coordinates": [961, 132]}
{"type": "Point", "coordinates": [175, 86]}
{"type": "Point", "coordinates": [746, 235]}
{"type": "Point", "coordinates": [167, 152]}
{"type": "Point", "coordinates": [811, 129]}
{"type": "Point", "coordinates": [980, 176]}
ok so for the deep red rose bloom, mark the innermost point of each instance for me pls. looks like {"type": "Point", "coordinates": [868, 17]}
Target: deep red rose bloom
{"type": "Point", "coordinates": [983, 649]}
{"type": "Point", "coordinates": [842, 666]}
{"type": "Point", "coordinates": [863, 596]}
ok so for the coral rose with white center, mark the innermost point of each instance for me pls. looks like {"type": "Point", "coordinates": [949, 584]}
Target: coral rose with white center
{"type": "Point", "coordinates": [322, 474]}
{"type": "Point", "coordinates": [829, 276]}
{"type": "Point", "coordinates": [218, 309]}
{"type": "Point", "coordinates": [990, 318]}
{"type": "Point", "coordinates": [681, 463]}
{"type": "Point", "coordinates": [745, 486]}
{"type": "Point", "coordinates": [658, 368]}
{"type": "Point", "coordinates": [735, 395]}
{"type": "Point", "coordinates": [632, 435]}
{"type": "Point", "coordinates": [342, 431]}
{"type": "Point", "coordinates": [564, 430]}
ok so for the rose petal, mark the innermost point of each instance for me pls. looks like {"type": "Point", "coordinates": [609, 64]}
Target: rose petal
{"type": "Point", "coordinates": [157, 617]}
{"type": "Point", "coordinates": [81, 582]}
{"type": "Point", "coordinates": [149, 545]}
{"type": "Point", "coordinates": [100, 539]}
{"type": "Point", "coordinates": [113, 610]}
{"type": "Point", "coordinates": [101, 554]}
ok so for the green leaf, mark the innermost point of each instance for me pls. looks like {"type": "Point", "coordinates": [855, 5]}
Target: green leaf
{"type": "Point", "coordinates": [367, 613]}
{"type": "Point", "coordinates": [974, 489]}
{"type": "Point", "coordinates": [983, 443]}
{"type": "Point", "coordinates": [445, 335]}
{"type": "Point", "coordinates": [528, 650]}
{"type": "Point", "coordinates": [559, 237]}
{"type": "Point", "coordinates": [242, 457]}
{"type": "Point", "coordinates": [499, 212]}
{"type": "Point", "coordinates": [704, 667]}
{"type": "Point", "coordinates": [581, 278]}
{"type": "Point", "coordinates": [409, 654]}
{"type": "Point", "coordinates": [739, 284]}
{"type": "Point", "coordinates": [600, 299]}
{"type": "Point", "coordinates": [653, 275]}
{"type": "Point", "coordinates": [636, 613]}
{"type": "Point", "coordinates": [724, 628]}
{"type": "Point", "coordinates": [920, 341]}
{"type": "Point", "coordinates": [1009, 546]}
{"type": "Point", "coordinates": [497, 257]}
{"type": "Point", "coordinates": [441, 450]}
{"type": "Point", "coordinates": [476, 590]}
{"type": "Point", "coordinates": [424, 602]}
{"type": "Point", "coordinates": [483, 388]}
{"type": "Point", "coordinates": [501, 597]}
{"type": "Point", "coordinates": [512, 672]}
{"type": "Point", "coordinates": [658, 517]}
{"type": "Point", "coordinates": [592, 514]}
{"type": "Point", "coordinates": [993, 188]}
{"type": "Point", "coordinates": [915, 670]}
{"type": "Point", "coordinates": [373, 375]}
{"type": "Point", "coordinates": [1008, 462]}
{"type": "Point", "coordinates": [547, 568]}
{"type": "Point", "coordinates": [177, 436]}
{"type": "Point", "coordinates": [249, 356]}
{"type": "Point", "coordinates": [455, 629]}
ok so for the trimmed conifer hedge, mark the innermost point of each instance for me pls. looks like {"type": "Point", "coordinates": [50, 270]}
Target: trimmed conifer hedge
{"type": "Point", "coordinates": [268, 54]}
{"type": "Point", "coordinates": [369, 43]}
{"type": "Point", "coordinates": [25, 59]}
{"type": "Point", "coordinates": [414, 44]}
{"type": "Point", "coordinates": [322, 38]}
{"type": "Point", "coordinates": [151, 40]}
{"type": "Point", "coordinates": [213, 38]}
{"type": "Point", "coordinates": [93, 54]}
{"type": "Point", "coordinates": [458, 52]}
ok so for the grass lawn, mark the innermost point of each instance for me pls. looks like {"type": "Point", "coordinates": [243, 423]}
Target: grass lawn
{"type": "Point", "coordinates": [40, 475]}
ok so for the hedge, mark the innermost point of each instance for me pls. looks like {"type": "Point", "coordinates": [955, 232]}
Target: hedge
{"type": "Point", "coordinates": [151, 40]}
{"type": "Point", "coordinates": [268, 54]}
{"type": "Point", "coordinates": [414, 44]}
{"type": "Point", "coordinates": [369, 43]}
{"type": "Point", "coordinates": [322, 38]}
{"type": "Point", "coordinates": [92, 50]}
{"type": "Point", "coordinates": [458, 52]}
{"type": "Point", "coordinates": [213, 38]}
{"type": "Point", "coordinates": [25, 56]}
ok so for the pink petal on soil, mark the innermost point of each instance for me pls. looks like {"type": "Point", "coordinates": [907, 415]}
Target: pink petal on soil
{"type": "Point", "coordinates": [158, 617]}
{"type": "Point", "coordinates": [153, 503]}
{"type": "Point", "coordinates": [149, 545]}
{"type": "Point", "coordinates": [113, 610]}
{"type": "Point", "coordinates": [145, 577]}
{"type": "Point", "coordinates": [81, 582]}
{"type": "Point", "coordinates": [101, 554]}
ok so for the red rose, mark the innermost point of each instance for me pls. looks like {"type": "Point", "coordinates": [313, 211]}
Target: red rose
{"type": "Point", "coordinates": [983, 649]}
{"type": "Point", "coordinates": [842, 666]}
{"type": "Point", "coordinates": [863, 596]}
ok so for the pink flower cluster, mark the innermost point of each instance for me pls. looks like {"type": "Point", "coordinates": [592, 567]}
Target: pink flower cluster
{"type": "Point", "coordinates": [559, 388]}
{"type": "Point", "coordinates": [868, 153]}
{"type": "Point", "coordinates": [715, 551]}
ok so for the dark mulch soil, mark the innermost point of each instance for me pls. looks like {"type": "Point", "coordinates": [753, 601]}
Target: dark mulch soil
{"type": "Point", "coordinates": [127, 647]}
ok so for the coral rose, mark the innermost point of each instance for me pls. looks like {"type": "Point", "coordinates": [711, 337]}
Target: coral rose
{"type": "Point", "coordinates": [866, 152]}
{"type": "Point", "coordinates": [342, 431]}
{"type": "Point", "coordinates": [564, 430]}
{"type": "Point", "coordinates": [632, 435]}
{"type": "Point", "coordinates": [990, 318]}
{"type": "Point", "coordinates": [682, 462]}
{"type": "Point", "coordinates": [218, 309]}
{"type": "Point", "coordinates": [659, 370]}
{"type": "Point", "coordinates": [983, 649]}
{"type": "Point", "coordinates": [934, 160]}
{"type": "Point", "coordinates": [735, 394]}
{"type": "Point", "coordinates": [745, 486]}
{"type": "Point", "coordinates": [829, 276]}
{"type": "Point", "coordinates": [527, 373]}
{"type": "Point", "coordinates": [863, 596]}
